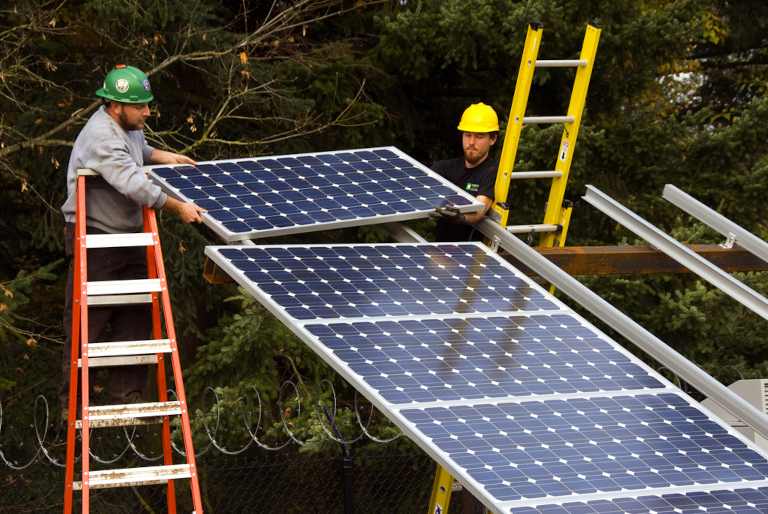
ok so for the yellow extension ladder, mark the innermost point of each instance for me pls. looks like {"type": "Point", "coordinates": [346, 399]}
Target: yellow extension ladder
{"type": "Point", "coordinates": [555, 226]}
{"type": "Point", "coordinates": [85, 355]}
{"type": "Point", "coordinates": [558, 214]}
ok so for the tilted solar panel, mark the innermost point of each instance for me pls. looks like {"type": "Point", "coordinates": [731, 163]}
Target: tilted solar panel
{"type": "Point", "coordinates": [524, 402]}
{"type": "Point", "coordinates": [271, 196]}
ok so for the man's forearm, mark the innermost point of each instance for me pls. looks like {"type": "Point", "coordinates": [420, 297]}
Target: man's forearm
{"type": "Point", "coordinates": [471, 218]}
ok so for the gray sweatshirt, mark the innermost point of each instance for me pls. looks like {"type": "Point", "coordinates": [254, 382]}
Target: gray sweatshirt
{"type": "Point", "coordinates": [113, 200]}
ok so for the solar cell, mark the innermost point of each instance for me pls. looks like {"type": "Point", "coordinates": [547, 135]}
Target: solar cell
{"type": "Point", "coordinates": [270, 196]}
{"type": "Point", "coordinates": [529, 406]}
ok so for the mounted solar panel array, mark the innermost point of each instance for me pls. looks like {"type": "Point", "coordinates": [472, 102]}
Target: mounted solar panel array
{"type": "Point", "coordinates": [272, 196]}
{"type": "Point", "coordinates": [524, 402]}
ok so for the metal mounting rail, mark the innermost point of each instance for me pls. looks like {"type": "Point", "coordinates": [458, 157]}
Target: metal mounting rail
{"type": "Point", "coordinates": [625, 326]}
{"type": "Point", "coordinates": [715, 220]}
{"type": "Point", "coordinates": [562, 63]}
{"type": "Point", "coordinates": [535, 174]}
{"type": "Point", "coordinates": [541, 120]}
{"type": "Point", "coordinates": [671, 247]}
{"type": "Point", "coordinates": [402, 233]}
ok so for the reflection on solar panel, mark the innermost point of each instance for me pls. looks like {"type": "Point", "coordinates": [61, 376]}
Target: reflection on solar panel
{"type": "Point", "coordinates": [529, 406]}
{"type": "Point", "coordinates": [271, 196]}
{"type": "Point", "coordinates": [453, 359]}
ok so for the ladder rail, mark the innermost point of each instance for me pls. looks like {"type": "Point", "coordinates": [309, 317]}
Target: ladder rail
{"type": "Point", "coordinates": [178, 380]}
{"type": "Point", "coordinates": [499, 211]}
{"type": "Point", "coordinates": [82, 263]}
{"type": "Point", "coordinates": [157, 332]}
{"type": "Point", "coordinates": [555, 211]}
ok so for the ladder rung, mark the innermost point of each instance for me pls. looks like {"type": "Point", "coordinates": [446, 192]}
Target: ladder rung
{"type": "Point", "coordinates": [562, 63]}
{"type": "Point", "coordinates": [123, 299]}
{"type": "Point", "coordinates": [114, 349]}
{"type": "Point", "coordinates": [85, 172]}
{"type": "Point", "coordinates": [134, 476]}
{"type": "Point", "coordinates": [113, 287]}
{"type": "Point", "coordinates": [131, 360]}
{"type": "Point", "coordinates": [527, 229]}
{"type": "Point", "coordinates": [134, 410]}
{"type": "Point", "coordinates": [536, 174]}
{"type": "Point", "coordinates": [119, 240]}
{"type": "Point", "coordinates": [130, 414]}
{"type": "Point", "coordinates": [542, 120]}
{"type": "Point", "coordinates": [126, 422]}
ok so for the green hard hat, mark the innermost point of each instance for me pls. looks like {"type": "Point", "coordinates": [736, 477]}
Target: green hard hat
{"type": "Point", "coordinates": [126, 84]}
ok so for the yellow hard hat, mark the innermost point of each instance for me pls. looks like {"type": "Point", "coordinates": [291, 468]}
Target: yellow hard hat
{"type": "Point", "coordinates": [479, 118]}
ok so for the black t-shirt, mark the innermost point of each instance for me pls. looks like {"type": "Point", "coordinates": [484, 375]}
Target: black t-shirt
{"type": "Point", "coordinates": [477, 181]}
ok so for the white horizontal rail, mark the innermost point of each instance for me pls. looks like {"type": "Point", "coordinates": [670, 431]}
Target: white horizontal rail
{"type": "Point", "coordinates": [145, 347]}
{"type": "Point", "coordinates": [562, 63]}
{"type": "Point", "coordinates": [527, 229]}
{"type": "Point", "coordinates": [541, 120]}
{"type": "Point", "coordinates": [119, 240]}
{"type": "Point", "coordinates": [103, 287]}
{"type": "Point", "coordinates": [535, 174]}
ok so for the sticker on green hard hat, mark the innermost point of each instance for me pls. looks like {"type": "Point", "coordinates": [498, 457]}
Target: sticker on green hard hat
{"type": "Point", "coordinates": [126, 84]}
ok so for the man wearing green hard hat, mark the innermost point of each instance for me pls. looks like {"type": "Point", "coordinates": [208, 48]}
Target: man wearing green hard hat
{"type": "Point", "coordinates": [112, 144]}
{"type": "Point", "coordinates": [474, 172]}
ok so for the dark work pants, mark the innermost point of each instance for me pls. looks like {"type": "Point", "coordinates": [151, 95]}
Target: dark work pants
{"type": "Point", "coordinates": [125, 323]}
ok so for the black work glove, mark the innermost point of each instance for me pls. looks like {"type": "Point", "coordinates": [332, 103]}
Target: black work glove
{"type": "Point", "coordinates": [450, 214]}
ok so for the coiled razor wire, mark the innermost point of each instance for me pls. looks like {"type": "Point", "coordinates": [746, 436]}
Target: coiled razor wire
{"type": "Point", "coordinates": [43, 447]}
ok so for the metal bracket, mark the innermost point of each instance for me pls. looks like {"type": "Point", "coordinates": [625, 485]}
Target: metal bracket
{"type": "Point", "coordinates": [495, 242]}
{"type": "Point", "coordinates": [729, 242]}
{"type": "Point", "coordinates": [495, 215]}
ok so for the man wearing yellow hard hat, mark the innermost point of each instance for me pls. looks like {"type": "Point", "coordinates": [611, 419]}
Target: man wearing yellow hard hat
{"type": "Point", "coordinates": [474, 172]}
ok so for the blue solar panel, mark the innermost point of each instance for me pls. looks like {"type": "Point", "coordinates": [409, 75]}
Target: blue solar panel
{"type": "Point", "coordinates": [535, 449]}
{"type": "Point", "coordinates": [311, 283]}
{"type": "Point", "coordinates": [723, 501]}
{"type": "Point", "coordinates": [475, 358]}
{"type": "Point", "coordinates": [269, 196]}
{"type": "Point", "coordinates": [529, 406]}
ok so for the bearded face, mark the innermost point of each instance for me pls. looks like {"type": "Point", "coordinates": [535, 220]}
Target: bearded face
{"type": "Point", "coordinates": [476, 147]}
{"type": "Point", "coordinates": [131, 116]}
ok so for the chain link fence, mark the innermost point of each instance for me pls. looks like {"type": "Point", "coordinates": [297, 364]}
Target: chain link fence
{"type": "Point", "coordinates": [384, 479]}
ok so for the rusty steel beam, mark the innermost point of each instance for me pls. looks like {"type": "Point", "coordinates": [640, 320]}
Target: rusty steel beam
{"type": "Point", "coordinates": [630, 260]}
{"type": "Point", "coordinates": [605, 260]}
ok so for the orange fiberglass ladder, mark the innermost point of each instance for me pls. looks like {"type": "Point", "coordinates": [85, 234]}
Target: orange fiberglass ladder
{"type": "Point", "coordinates": [152, 290]}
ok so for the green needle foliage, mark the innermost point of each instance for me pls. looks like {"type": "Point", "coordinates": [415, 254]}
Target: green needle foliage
{"type": "Point", "coordinates": [677, 96]}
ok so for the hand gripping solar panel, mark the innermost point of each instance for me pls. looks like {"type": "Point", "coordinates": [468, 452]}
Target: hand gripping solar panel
{"type": "Point", "coordinates": [526, 404]}
{"type": "Point", "coordinates": [272, 196]}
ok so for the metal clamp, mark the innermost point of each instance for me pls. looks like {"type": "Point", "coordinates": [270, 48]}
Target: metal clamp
{"type": "Point", "coordinates": [495, 242]}
{"type": "Point", "coordinates": [729, 242]}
